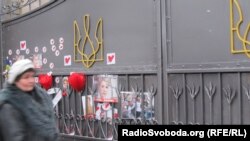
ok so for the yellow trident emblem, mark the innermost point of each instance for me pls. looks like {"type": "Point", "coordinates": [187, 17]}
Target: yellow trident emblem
{"type": "Point", "coordinates": [235, 26]}
{"type": "Point", "coordinates": [84, 49]}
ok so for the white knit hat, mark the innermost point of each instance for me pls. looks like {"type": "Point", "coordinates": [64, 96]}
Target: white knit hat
{"type": "Point", "coordinates": [18, 68]}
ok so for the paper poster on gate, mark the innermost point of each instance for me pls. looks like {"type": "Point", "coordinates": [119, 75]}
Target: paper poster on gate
{"type": "Point", "coordinates": [131, 105]}
{"type": "Point", "coordinates": [106, 88]}
{"type": "Point", "coordinates": [58, 96]}
{"type": "Point", "coordinates": [88, 106]}
{"type": "Point", "coordinates": [37, 60]}
{"type": "Point", "coordinates": [84, 105]}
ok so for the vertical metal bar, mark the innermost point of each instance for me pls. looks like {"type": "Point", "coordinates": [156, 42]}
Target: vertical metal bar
{"type": "Point", "coordinates": [75, 112]}
{"type": "Point", "coordinates": [78, 110]}
{"type": "Point", "coordinates": [185, 99]}
{"type": "Point", "coordinates": [69, 110]}
{"type": "Point", "coordinates": [127, 85]}
{"type": "Point", "coordinates": [221, 97]}
{"type": "Point", "coordinates": [59, 107]}
{"type": "Point", "coordinates": [167, 58]}
{"type": "Point", "coordinates": [159, 32]}
{"type": "Point", "coordinates": [211, 110]}
{"type": "Point", "coordinates": [177, 110]}
{"type": "Point", "coordinates": [240, 98]}
{"type": "Point", "coordinates": [74, 109]}
{"type": "Point", "coordinates": [86, 120]}
{"type": "Point", "coordinates": [119, 104]}
{"type": "Point", "coordinates": [2, 44]}
{"type": "Point", "coordinates": [143, 97]}
{"type": "Point", "coordinates": [63, 110]}
{"type": "Point", "coordinates": [202, 97]}
{"type": "Point", "coordinates": [194, 111]}
{"type": "Point", "coordinates": [230, 113]}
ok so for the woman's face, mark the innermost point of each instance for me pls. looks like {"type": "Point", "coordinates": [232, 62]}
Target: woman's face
{"type": "Point", "coordinates": [65, 83]}
{"type": "Point", "coordinates": [26, 82]}
{"type": "Point", "coordinates": [103, 89]}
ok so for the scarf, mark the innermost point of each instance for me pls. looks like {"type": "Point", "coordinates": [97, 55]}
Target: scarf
{"type": "Point", "coordinates": [36, 107]}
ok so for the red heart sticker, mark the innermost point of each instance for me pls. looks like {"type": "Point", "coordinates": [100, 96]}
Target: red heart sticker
{"type": "Point", "coordinates": [23, 45]}
{"type": "Point", "coordinates": [67, 59]}
{"type": "Point", "coordinates": [110, 58]}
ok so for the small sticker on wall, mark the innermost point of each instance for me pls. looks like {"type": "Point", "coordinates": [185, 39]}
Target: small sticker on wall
{"type": "Point", "coordinates": [53, 48]}
{"type": "Point", "coordinates": [44, 49]}
{"type": "Point", "coordinates": [10, 52]}
{"type": "Point", "coordinates": [17, 52]}
{"type": "Point", "coordinates": [45, 60]}
{"type": "Point", "coordinates": [27, 51]}
{"type": "Point", "coordinates": [61, 40]}
{"type": "Point", "coordinates": [23, 45]}
{"type": "Point", "coordinates": [51, 65]}
{"type": "Point", "coordinates": [67, 60]}
{"type": "Point", "coordinates": [52, 41]}
{"type": "Point", "coordinates": [110, 58]}
{"type": "Point", "coordinates": [61, 46]}
{"type": "Point", "coordinates": [36, 49]}
{"type": "Point", "coordinates": [57, 53]}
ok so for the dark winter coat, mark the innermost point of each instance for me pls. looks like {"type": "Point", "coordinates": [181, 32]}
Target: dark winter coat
{"type": "Point", "coordinates": [26, 116]}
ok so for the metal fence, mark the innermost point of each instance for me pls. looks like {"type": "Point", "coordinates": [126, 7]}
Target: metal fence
{"type": "Point", "coordinates": [209, 98]}
{"type": "Point", "coordinates": [73, 123]}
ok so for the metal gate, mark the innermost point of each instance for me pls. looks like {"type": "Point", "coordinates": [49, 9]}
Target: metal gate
{"type": "Point", "coordinates": [205, 64]}
{"type": "Point", "coordinates": [184, 59]}
{"type": "Point", "coordinates": [73, 123]}
{"type": "Point", "coordinates": [134, 41]}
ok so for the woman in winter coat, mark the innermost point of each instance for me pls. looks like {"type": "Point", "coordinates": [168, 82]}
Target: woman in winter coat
{"type": "Point", "coordinates": [26, 111]}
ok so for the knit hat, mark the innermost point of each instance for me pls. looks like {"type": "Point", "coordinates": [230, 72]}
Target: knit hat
{"type": "Point", "coordinates": [18, 68]}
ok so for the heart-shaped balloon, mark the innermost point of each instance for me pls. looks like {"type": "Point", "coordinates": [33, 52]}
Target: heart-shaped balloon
{"type": "Point", "coordinates": [45, 81]}
{"type": "Point", "coordinates": [77, 81]}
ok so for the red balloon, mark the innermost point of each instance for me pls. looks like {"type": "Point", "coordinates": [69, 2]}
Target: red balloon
{"type": "Point", "coordinates": [45, 81]}
{"type": "Point", "coordinates": [77, 81]}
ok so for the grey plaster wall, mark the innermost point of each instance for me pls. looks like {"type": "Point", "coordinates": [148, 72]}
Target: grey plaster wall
{"type": "Point", "coordinates": [128, 30]}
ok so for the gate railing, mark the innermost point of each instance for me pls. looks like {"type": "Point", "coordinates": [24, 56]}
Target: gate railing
{"type": "Point", "coordinates": [73, 123]}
